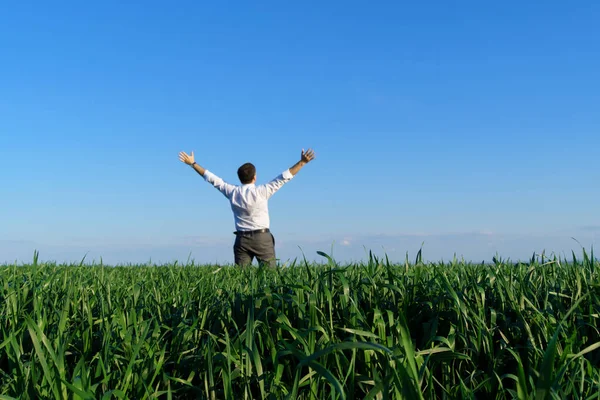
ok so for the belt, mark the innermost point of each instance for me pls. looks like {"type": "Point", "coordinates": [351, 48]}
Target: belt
{"type": "Point", "coordinates": [249, 233]}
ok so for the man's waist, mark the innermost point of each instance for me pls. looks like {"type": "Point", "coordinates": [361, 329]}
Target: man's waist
{"type": "Point", "coordinates": [251, 232]}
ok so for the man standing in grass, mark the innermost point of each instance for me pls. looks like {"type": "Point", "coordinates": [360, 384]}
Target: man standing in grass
{"type": "Point", "coordinates": [249, 206]}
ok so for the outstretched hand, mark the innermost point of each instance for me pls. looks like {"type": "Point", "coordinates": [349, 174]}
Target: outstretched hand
{"type": "Point", "coordinates": [185, 158]}
{"type": "Point", "coordinates": [308, 155]}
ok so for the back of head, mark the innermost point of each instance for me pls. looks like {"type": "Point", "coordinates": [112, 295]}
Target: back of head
{"type": "Point", "coordinates": [246, 173]}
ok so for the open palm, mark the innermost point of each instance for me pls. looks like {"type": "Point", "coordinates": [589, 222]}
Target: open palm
{"type": "Point", "coordinates": [308, 156]}
{"type": "Point", "coordinates": [186, 158]}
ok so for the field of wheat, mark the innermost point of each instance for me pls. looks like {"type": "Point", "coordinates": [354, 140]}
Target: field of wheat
{"type": "Point", "coordinates": [371, 330]}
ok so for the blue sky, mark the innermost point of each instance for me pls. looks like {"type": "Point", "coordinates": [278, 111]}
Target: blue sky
{"type": "Point", "coordinates": [471, 127]}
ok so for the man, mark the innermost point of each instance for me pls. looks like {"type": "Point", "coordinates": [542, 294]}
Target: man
{"type": "Point", "coordinates": [250, 208]}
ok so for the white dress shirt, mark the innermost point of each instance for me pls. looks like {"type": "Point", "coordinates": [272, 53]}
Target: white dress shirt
{"type": "Point", "coordinates": [249, 201]}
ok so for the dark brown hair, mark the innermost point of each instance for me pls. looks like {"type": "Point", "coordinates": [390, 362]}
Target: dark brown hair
{"type": "Point", "coordinates": [246, 173]}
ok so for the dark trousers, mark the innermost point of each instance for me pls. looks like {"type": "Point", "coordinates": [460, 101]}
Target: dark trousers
{"type": "Point", "coordinates": [260, 245]}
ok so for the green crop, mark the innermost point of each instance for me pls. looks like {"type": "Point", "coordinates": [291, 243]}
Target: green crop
{"type": "Point", "coordinates": [371, 330]}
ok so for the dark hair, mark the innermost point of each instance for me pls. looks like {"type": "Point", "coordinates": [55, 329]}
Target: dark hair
{"type": "Point", "coordinates": [246, 173]}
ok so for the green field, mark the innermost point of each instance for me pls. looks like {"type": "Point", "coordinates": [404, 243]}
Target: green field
{"type": "Point", "coordinates": [372, 330]}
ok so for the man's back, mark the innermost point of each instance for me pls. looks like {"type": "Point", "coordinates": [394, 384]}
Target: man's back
{"type": "Point", "coordinates": [249, 202]}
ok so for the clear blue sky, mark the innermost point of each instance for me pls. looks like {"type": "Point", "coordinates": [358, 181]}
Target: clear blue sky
{"type": "Point", "coordinates": [471, 126]}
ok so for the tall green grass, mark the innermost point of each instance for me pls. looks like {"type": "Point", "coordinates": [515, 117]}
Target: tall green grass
{"type": "Point", "coordinates": [372, 330]}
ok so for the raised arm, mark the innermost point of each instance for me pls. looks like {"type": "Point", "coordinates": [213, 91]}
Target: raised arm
{"type": "Point", "coordinates": [270, 188]}
{"type": "Point", "coordinates": [209, 177]}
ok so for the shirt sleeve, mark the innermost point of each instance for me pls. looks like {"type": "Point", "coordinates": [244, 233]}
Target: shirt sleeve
{"type": "Point", "coordinates": [220, 184]}
{"type": "Point", "coordinates": [268, 189]}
